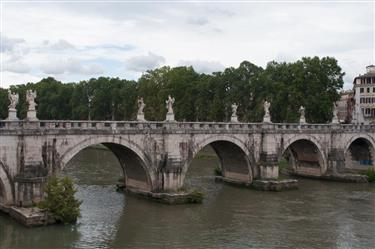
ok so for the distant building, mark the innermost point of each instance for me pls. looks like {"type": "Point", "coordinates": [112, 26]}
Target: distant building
{"type": "Point", "coordinates": [345, 106]}
{"type": "Point", "coordinates": [364, 97]}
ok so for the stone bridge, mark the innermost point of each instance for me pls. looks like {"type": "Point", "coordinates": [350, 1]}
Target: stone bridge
{"type": "Point", "coordinates": [155, 156]}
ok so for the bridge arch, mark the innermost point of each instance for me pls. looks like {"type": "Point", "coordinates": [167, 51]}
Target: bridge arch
{"type": "Point", "coordinates": [6, 196]}
{"type": "Point", "coordinates": [359, 152]}
{"type": "Point", "coordinates": [235, 159]}
{"type": "Point", "coordinates": [137, 169]}
{"type": "Point", "coordinates": [305, 154]}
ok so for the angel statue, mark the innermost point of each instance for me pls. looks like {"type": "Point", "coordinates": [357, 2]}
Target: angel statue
{"type": "Point", "coordinates": [13, 98]}
{"type": "Point", "coordinates": [170, 103]}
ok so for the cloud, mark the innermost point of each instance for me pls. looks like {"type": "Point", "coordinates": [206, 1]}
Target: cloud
{"type": "Point", "coordinates": [11, 78]}
{"type": "Point", "coordinates": [143, 63]}
{"type": "Point", "coordinates": [9, 44]}
{"type": "Point", "coordinates": [199, 21]}
{"type": "Point", "coordinates": [202, 66]}
{"type": "Point", "coordinates": [203, 34]}
{"type": "Point", "coordinates": [61, 44]}
{"type": "Point", "coordinates": [70, 66]}
{"type": "Point", "coordinates": [16, 67]}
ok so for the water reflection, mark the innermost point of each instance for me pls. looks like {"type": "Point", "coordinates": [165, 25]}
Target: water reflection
{"type": "Point", "coordinates": [319, 215]}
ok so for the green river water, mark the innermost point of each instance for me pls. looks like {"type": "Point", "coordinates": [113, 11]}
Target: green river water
{"type": "Point", "coordinates": [320, 214]}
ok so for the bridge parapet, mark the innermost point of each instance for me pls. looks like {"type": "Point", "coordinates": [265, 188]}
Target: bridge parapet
{"type": "Point", "coordinates": [176, 127]}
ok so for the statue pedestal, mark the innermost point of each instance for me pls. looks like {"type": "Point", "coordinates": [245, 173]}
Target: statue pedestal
{"type": "Point", "coordinates": [12, 114]}
{"type": "Point", "coordinates": [169, 117]}
{"type": "Point", "coordinates": [234, 119]}
{"type": "Point", "coordinates": [335, 120]}
{"type": "Point", "coordinates": [302, 120]}
{"type": "Point", "coordinates": [267, 119]}
{"type": "Point", "coordinates": [141, 117]}
{"type": "Point", "coordinates": [31, 115]}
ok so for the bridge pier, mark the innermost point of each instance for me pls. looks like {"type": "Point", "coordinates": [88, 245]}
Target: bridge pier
{"type": "Point", "coordinates": [155, 155]}
{"type": "Point", "coordinates": [268, 166]}
{"type": "Point", "coordinates": [336, 161]}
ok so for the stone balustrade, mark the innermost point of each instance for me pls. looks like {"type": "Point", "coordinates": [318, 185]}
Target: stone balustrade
{"type": "Point", "coordinates": [14, 125]}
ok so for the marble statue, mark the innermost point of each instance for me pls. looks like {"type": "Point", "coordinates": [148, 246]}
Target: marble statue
{"type": "Point", "coordinates": [170, 102]}
{"type": "Point", "coordinates": [234, 117]}
{"type": "Point", "coordinates": [302, 118]}
{"type": "Point", "coordinates": [13, 98]}
{"type": "Point", "coordinates": [30, 98]}
{"type": "Point", "coordinates": [141, 106]}
{"type": "Point", "coordinates": [234, 110]}
{"type": "Point", "coordinates": [266, 107]}
{"type": "Point", "coordinates": [267, 116]}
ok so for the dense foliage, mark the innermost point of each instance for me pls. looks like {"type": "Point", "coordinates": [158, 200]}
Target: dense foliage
{"type": "Point", "coordinates": [60, 200]}
{"type": "Point", "coordinates": [311, 82]}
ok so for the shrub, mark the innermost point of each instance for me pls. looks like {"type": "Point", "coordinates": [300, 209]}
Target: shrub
{"type": "Point", "coordinates": [371, 175]}
{"type": "Point", "coordinates": [60, 201]}
{"type": "Point", "coordinates": [218, 171]}
{"type": "Point", "coordinates": [195, 196]}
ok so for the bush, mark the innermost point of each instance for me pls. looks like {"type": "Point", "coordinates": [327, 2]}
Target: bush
{"type": "Point", "coordinates": [195, 196]}
{"type": "Point", "coordinates": [218, 171]}
{"type": "Point", "coordinates": [60, 201]}
{"type": "Point", "coordinates": [371, 175]}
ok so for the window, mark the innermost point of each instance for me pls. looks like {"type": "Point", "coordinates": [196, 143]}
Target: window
{"type": "Point", "coordinates": [361, 90]}
{"type": "Point", "coordinates": [368, 89]}
{"type": "Point", "coordinates": [373, 89]}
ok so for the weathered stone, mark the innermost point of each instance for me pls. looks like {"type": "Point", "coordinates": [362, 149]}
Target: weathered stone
{"type": "Point", "coordinates": [156, 156]}
{"type": "Point", "coordinates": [275, 185]}
{"type": "Point", "coordinates": [31, 217]}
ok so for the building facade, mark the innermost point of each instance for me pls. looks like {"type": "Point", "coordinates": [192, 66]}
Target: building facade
{"type": "Point", "coordinates": [364, 97]}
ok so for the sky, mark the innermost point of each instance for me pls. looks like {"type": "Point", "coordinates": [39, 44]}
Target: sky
{"type": "Point", "coordinates": [79, 40]}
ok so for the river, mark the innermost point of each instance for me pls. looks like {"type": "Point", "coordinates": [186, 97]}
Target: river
{"type": "Point", "coordinates": [320, 214]}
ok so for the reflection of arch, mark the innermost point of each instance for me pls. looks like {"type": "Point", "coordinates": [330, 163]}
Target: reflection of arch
{"type": "Point", "coordinates": [137, 168]}
{"type": "Point", "coordinates": [234, 157]}
{"type": "Point", "coordinates": [306, 151]}
{"type": "Point", "coordinates": [359, 152]}
{"type": "Point", "coordinates": [6, 196]}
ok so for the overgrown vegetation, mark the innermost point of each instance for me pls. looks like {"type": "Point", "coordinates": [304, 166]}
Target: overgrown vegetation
{"type": "Point", "coordinates": [283, 164]}
{"type": "Point", "coordinates": [371, 175]}
{"type": "Point", "coordinates": [60, 200]}
{"type": "Point", "coordinates": [218, 171]}
{"type": "Point", "coordinates": [312, 82]}
{"type": "Point", "coordinates": [195, 196]}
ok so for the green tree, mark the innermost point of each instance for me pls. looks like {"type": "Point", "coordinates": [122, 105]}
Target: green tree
{"type": "Point", "coordinates": [60, 200]}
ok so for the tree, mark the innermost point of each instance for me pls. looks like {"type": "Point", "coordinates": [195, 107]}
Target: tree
{"type": "Point", "coordinates": [60, 201]}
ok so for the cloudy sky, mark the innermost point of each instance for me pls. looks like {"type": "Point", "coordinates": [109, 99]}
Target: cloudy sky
{"type": "Point", "coordinates": [74, 41]}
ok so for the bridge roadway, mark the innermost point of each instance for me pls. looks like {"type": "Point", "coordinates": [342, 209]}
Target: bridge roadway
{"type": "Point", "coordinates": [155, 156]}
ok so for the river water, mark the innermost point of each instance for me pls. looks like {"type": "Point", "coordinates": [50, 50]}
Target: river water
{"type": "Point", "coordinates": [320, 214]}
